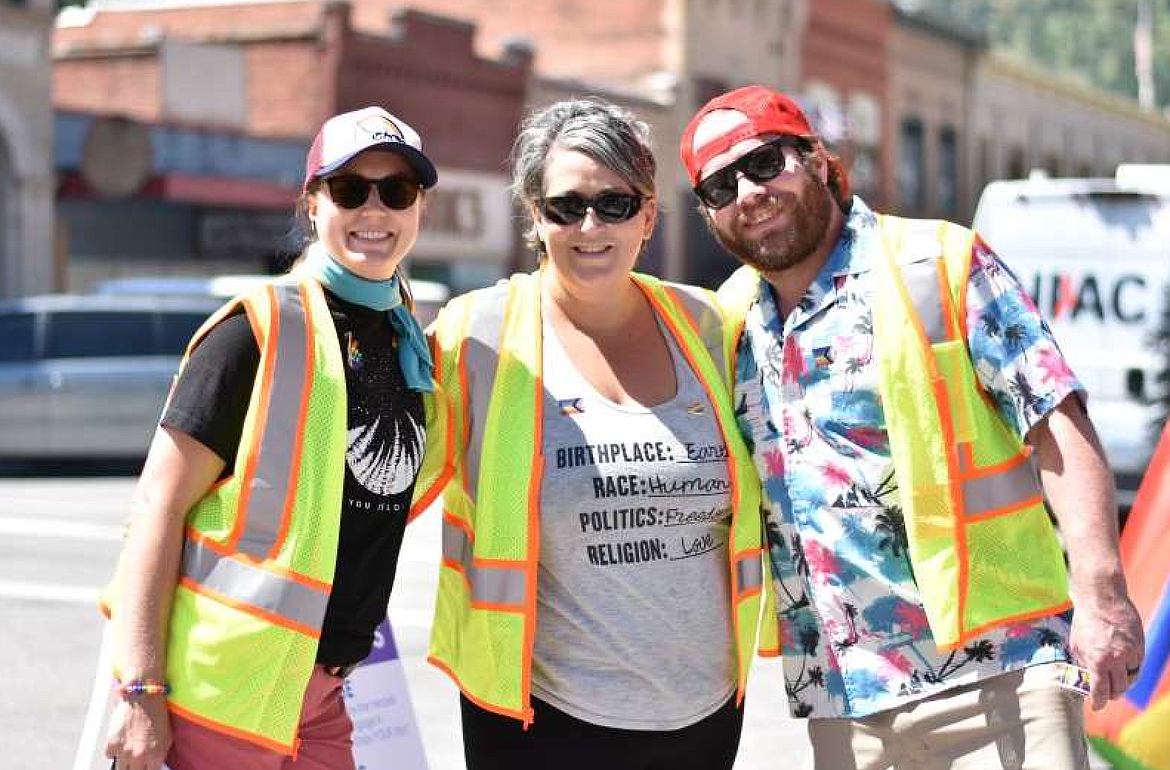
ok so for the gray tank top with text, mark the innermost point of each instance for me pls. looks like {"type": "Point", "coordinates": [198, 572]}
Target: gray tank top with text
{"type": "Point", "coordinates": [633, 622]}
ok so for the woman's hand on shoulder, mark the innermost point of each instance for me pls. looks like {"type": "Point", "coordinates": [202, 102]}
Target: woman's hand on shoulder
{"type": "Point", "coordinates": [140, 733]}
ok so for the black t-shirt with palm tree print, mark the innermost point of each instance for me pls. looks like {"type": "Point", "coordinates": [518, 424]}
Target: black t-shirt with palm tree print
{"type": "Point", "coordinates": [385, 440]}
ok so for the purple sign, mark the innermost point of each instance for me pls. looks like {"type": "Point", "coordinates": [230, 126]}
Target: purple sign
{"type": "Point", "coordinates": [384, 648]}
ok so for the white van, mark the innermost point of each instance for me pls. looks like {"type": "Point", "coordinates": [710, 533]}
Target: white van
{"type": "Point", "coordinates": [1095, 256]}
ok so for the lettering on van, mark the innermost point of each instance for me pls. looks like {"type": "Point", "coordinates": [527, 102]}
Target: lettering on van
{"type": "Point", "coordinates": [1121, 298]}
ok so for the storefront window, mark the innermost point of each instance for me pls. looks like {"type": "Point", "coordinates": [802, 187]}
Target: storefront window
{"type": "Point", "coordinates": [948, 170]}
{"type": "Point", "coordinates": [912, 166]}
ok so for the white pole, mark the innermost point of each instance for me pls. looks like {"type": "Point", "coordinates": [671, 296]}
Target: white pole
{"type": "Point", "coordinates": [93, 734]}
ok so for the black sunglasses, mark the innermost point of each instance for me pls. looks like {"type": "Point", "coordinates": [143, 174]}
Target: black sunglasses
{"type": "Point", "coordinates": [351, 191]}
{"type": "Point", "coordinates": [609, 207]}
{"type": "Point", "coordinates": [765, 162]}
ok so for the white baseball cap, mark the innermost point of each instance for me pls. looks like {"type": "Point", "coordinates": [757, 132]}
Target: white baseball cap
{"type": "Point", "coordinates": [344, 136]}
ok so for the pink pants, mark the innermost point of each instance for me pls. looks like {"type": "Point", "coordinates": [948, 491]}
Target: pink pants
{"type": "Point", "coordinates": [325, 733]}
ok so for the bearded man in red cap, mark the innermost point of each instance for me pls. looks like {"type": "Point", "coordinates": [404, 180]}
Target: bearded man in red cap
{"type": "Point", "coordinates": [900, 391]}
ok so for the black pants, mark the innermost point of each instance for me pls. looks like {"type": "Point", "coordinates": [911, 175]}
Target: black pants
{"type": "Point", "coordinates": [558, 741]}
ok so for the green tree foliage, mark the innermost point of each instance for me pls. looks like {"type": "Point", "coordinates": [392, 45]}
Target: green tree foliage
{"type": "Point", "coordinates": [1091, 40]}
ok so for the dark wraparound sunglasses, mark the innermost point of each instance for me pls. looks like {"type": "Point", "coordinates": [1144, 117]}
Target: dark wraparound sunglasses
{"type": "Point", "coordinates": [609, 207]}
{"type": "Point", "coordinates": [765, 162]}
{"type": "Point", "coordinates": [351, 191]}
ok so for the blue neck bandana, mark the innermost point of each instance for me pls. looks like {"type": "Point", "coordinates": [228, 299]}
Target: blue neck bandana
{"type": "Point", "coordinates": [414, 356]}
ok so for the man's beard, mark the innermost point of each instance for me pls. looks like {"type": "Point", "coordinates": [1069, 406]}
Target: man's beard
{"type": "Point", "coordinates": [781, 249]}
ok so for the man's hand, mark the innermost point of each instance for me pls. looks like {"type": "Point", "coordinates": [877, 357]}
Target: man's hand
{"type": "Point", "coordinates": [1107, 637]}
{"type": "Point", "coordinates": [1108, 640]}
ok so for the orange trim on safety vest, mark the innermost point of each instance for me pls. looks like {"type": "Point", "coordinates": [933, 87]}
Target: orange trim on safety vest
{"type": "Point", "coordinates": [970, 470]}
{"type": "Point", "coordinates": [457, 521]}
{"type": "Point", "coordinates": [673, 294]}
{"type": "Point", "coordinates": [220, 483]}
{"type": "Point", "coordinates": [944, 292]}
{"type": "Point", "coordinates": [480, 561]}
{"type": "Point", "coordinates": [942, 404]}
{"type": "Point", "coordinates": [973, 633]}
{"type": "Point", "coordinates": [271, 617]}
{"type": "Point", "coordinates": [266, 373]}
{"type": "Point", "coordinates": [235, 732]}
{"type": "Point", "coordinates": [732, 474]}
{"type": "Point", "coordinates": [465, 398]}
{"type": "Point", "coordinates": [266, 565]}
{"type": "Point", "coordinates": [290, 499]}
{"type": "Point", "coordinates": [250, 314]}
{"type": "Point", "coordinates": [456, 567]}
{"type": "Point", "coordinates": [1005, 509]}
{"type": "Point", "coordinates": [958, 503]}
{"type": "Point", "coordinates": [444, 476]}
{"type": "Point", "coordinates": [482, 704]}
{"type": "Point", "coordinates": [961, 306]}
{"type": "Point", "coordinates": [496, 607]}
{"type": "Point", "coordinates": [535, 483]}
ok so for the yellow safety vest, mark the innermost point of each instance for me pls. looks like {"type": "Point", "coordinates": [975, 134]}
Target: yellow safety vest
{"type": "Point", "coordinates": [260, 547]}
{"type": "Point", "coordinates": [484, 435]}
{"type": "Point", "coordinates": [982, 547]}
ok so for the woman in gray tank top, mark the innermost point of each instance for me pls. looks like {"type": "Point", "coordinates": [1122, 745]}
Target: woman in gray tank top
{"type": "Point", "coordinates": [632, 660]}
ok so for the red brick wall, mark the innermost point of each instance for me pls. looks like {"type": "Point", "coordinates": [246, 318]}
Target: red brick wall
{"type": "Point", "coordinates": [122, 73]}
{"type": "Point", "coordinates": [121, 28]}
{"type": "Point", "coordinates": [286, 84]}
{"type": "Point", "coordinates": [845, 45]}
{"type": "Point", "coordinates": [610, 41]}
{"type": "Point", "coordinates": [127, 85]}
{"type": "Point", "coordinates": [466, 109]}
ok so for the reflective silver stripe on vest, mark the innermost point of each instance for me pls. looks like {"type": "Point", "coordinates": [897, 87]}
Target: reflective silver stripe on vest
{"type": "Point", "coordinates": [710, 325]}
{"type": "Point", "coordinates": [272, 482]}
{"type": "Point", "coordinates": [489, 585]}
{"type": "Point", "coordinates": [998, 490]}
{"type": "Point", "coordinates": [922, 284]}
{"type": "Point", "coordinates": [1006, 488]}
{"type": "Point", "coordinates": [481, 354]}
{"type": "Point", "coordinates": [749, 573]}
{"type": "Point", "coordinates": [238, 581]}
{"type": "Point", "coordinates": [254, 586]}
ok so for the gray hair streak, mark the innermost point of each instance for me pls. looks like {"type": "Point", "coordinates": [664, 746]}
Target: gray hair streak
{"type": "Point", "coordinates": [609, 134]}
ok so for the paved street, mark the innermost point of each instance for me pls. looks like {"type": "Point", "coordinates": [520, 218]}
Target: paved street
{"type": "Point", "coordinates": [58, 542]}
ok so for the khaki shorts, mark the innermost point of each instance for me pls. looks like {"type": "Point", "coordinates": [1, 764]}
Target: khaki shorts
{"type": "Point", "coordinates": [1016, 721]}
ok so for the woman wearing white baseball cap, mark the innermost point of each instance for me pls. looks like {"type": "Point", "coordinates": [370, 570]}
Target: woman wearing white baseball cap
{"type": "Point", "coordinates": [271, 508]}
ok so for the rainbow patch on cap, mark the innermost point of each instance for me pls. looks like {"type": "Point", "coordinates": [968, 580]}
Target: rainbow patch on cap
{"type": "Point", "coordinates": [377, 128]}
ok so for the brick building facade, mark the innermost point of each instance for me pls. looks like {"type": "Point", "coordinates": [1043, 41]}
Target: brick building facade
{"type": "Point", "coordinates": [660, 58]}
{"type": "Point", "coordinates": [844, 82]}
{"type": "Point", "coordinates": [275, 71]}
{"type": "Point", "coordinates": [931, 105]}
{"type": "Point", "coordinates": [915, 105]}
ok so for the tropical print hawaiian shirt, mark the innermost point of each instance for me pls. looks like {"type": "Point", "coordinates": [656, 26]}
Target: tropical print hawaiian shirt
{"type": "Point", "coordinates": [855, 635]}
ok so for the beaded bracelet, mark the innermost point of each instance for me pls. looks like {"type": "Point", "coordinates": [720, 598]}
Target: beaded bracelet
{"type": "Point", "coordinates": [139, 688]}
